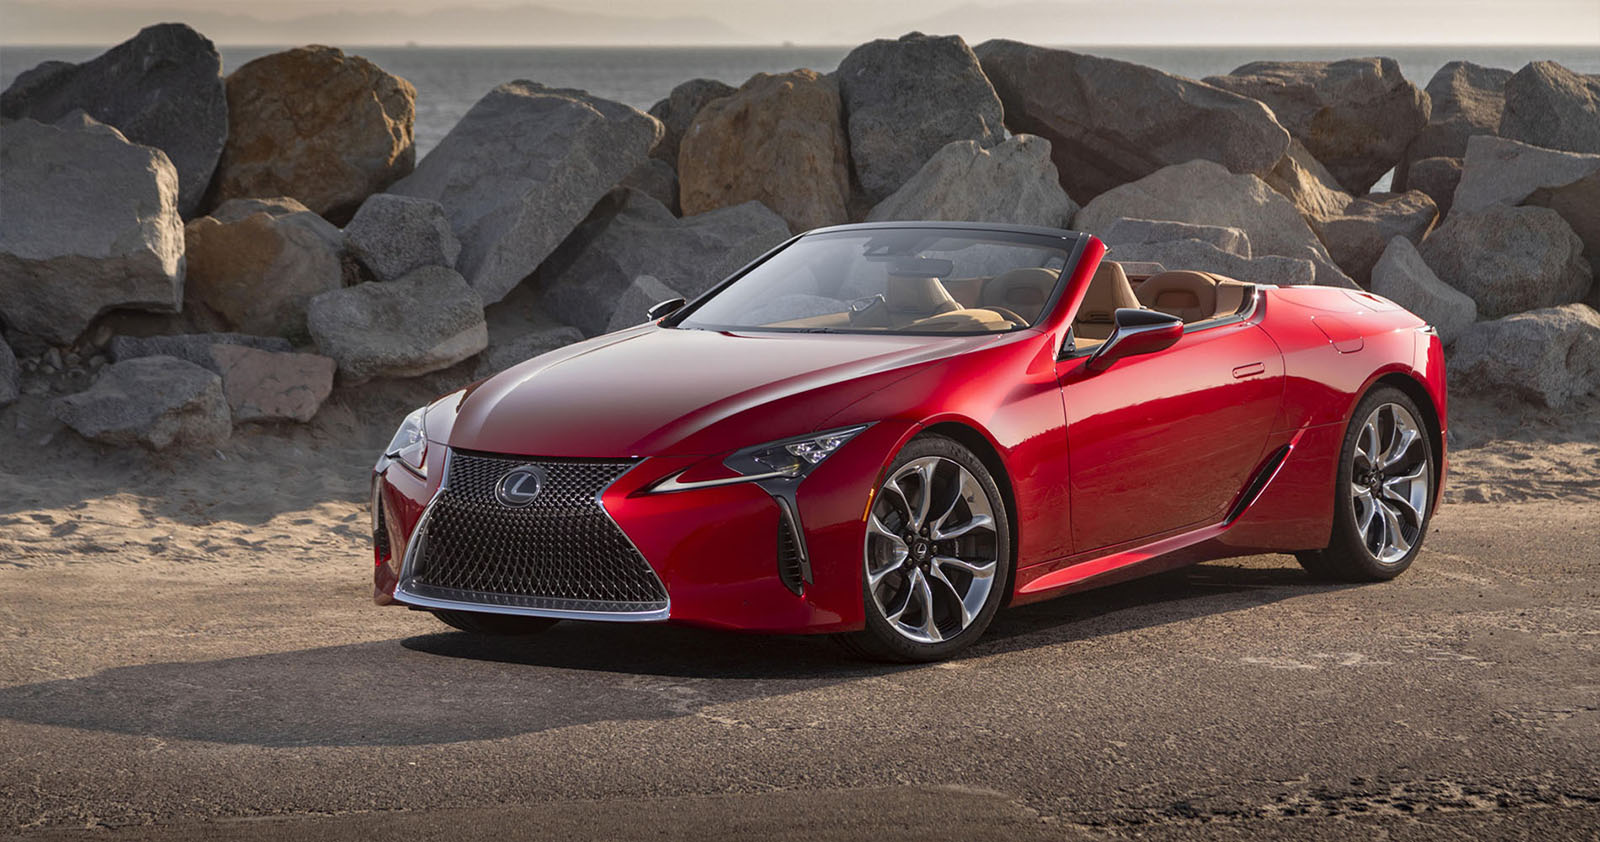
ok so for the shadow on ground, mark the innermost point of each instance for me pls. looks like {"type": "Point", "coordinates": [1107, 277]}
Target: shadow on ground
{"type": "Point", "coordinates": [451, 687]}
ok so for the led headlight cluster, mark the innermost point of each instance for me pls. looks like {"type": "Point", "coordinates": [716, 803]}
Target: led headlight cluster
{"type": "Point", "coordinates": [788, 459]}
{"type": "Point", "coordinates": [410, 443]}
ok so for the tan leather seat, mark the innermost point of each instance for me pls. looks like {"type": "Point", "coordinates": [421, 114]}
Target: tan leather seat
{"type": "Point", "coordinates": [1108, 291]}
{"type": "Point", "coordinates": [1192, 296]}
{"type": "Point", "coordinates": [917, 297]}
{"type": "Point", "coordinates": [1022, 291]}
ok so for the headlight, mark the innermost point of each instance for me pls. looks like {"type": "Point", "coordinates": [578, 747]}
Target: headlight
{"type": "Point", "coordinates": [788, 459]}
{"type": "Point", "coordinates": [410, 443]}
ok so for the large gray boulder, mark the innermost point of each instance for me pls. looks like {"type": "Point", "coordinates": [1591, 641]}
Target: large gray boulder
{"type": "Point", "coordinates": [1467, 100]}
{"type": "Point", "coordinates": [1202, 256]}
{"type": "Point", "coordinates": [907, 99]}
{"type": "Point", "coordinates": [1304, 181]}
{"type": "Point", "coordinates": [9, 375]}
{"type": "Point", "coordinates": [1402, 276]}
{"type": "Point", "coordinates": [1356, 116]}
{"type": "Point", "coordinates": [1501, 170]}
{"type": "Point", "coordinates": [152, 402]}
{"type": "Point", "coordinates": [1013, 182]}
{"type": "Point", "coordinates": [193, 347]}
{"type": "Point", "coordinates": [161, 88]}
{"type": "Point", "coordinates": [632, 234]}
{"type": "Point", "coordinates": [1579, 204]}
{"type": "Point", "coordinates": [1360, 234]}
{"type": "Point", "coordinates": [1551, 356]}
{"type": "Point", "coordinates": [428, 320]}
{"type": "Point", "coordinates": [1205, 193]}
{"type": "Point", "coordinates": [256, 263]}
{"type": "Point", "coordinates": [645, 292]}
{"type": "Point", "coordinates": [1110, 122]}
{"type": "Point", "coordinates": [271, 385]}
{"type": "Point", "coordinates": [657, 179]}
{"type": "Point", "coordinates": [1548, 105]}
{"type": "Point", "coordinates": [1437, 177]}
{"type": "Point", "coordinates": [521, 170]}
{"type": "Point", "coordinates": [89, 223]}
{"type": "Point", "coordinates": [502, 355]}
{"type": "Point", "coordinates": [1134, 232]}
{"type": "Point", "coordinates": [1509, 259]}
{"type": "Point", "coordinates": [392, 235]}
{"type": "Point", "coordinates": [678, 111]}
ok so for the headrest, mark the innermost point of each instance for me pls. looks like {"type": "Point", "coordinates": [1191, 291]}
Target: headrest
{"type": "Point", "coordinates": [1191, 296]}
{"type": "Point", "coordinates": [1022, 291]}
{"type": "Point", "coordinates": [1108, 290]}
{"type": "Point", "coordinates": [917, 296]}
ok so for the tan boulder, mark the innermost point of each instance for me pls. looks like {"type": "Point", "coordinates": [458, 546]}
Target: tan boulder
{"type": "Point", "coordinates": [777, 140]}
{"type": "Point", "coordinates": [313, 123]}
{"type": "Point", "coordinates": [257, 263]}
{"type": "Point", "coordinates": [1303, 180]}
{"type": "Point", "coordinates": [272, 386]}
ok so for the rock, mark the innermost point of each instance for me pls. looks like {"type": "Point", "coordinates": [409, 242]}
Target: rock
{"type": "Point", "coordinates": [256, 264]}
{"type": "Point", "coordinates": [1437, 177]}
{"type": "Point", "coordinates": [1013, 182]}
{"type": "Point", "coordinates": [678, 111]}
{"type": "Point", "coordinates": [1551, 356]}
{"type": "Point", "coordinates": [1304, 181]}
{"type": "Point", "coordinates": [392, 235]}
{"type": "Point", "coordinates": [428, 320]}
{"type": "Point", "coordinates": [521, 170]}
{"type": "Point", "coordinates": [161, 88]}
{"type": "Point", "coordinates": [1509, 259]}
{"type": "Point", "coordinates": [1548, 105]}
{"type": "Point", "coordinates": [312, 123]}
{"type": "Point", "coordinates": [1356, 116]}
{"type": "Point", "coordinates": [905, 100]}
{"type": "Point", "coordinates": [657, 179]}
{"type": "Point", "coordinates": [194, 348]}
{"type": "Point", "coordinates": [645, 292]}
{"type": "Point", "coordinates": [498, 358]}
{"type": "Point", "coordinates": [1360, 235]}
{"type": "Point", "coordinates": [1133, 232]}
{"type": "Point", "coordinates": [1205, 193]}
{"type": "Point", "coordinates": [1467, 99]}
{"type": "Point", "coordinates": [1110, 122]}
{"type": "Point", "coordinates": [1205, 257]}
{"type": "Point", "coordinates": [272, 386]}
{"type": "Point", "coordinates": [778, 140]}
{"type": "Point", "coordinates": [1500, 170]}
{"type": "Point", "coordinates": [630, 235]}
{"type": "Point", "coordinates": [153, 402]}
{"type": "Point", "coordinates": [1402, 276]}
{"type": "Point", "coordinates": [10, 376]}
{"type": "Point", "coordinates": [1579, 204]}
{"type": "Point", "coordinates": [90, 223]}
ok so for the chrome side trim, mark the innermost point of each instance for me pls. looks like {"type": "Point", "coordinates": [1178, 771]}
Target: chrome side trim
{"type": "Point", "coordinates": [404, 590]}
{"type": "Point", "coordinates": [672, 483]}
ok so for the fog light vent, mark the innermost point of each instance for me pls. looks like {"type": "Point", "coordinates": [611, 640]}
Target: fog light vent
{"type": "Point", "coordinates": [791, 556]}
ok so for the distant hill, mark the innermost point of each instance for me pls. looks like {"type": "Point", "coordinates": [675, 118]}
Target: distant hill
{"type": "Point", "coordinates": [45, 23]}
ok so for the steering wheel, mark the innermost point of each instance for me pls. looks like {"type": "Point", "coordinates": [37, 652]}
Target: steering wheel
{"type": "Point", "coordinates": [1013, 317]}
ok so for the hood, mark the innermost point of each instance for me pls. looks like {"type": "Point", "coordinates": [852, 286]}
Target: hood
{"type": "Point", "coordinates": [653, 391]}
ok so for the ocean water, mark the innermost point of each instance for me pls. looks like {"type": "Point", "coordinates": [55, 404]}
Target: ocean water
{"type": "Point", "coordinates": [450, 80]}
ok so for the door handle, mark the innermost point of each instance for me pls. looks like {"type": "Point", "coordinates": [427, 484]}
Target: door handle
{"type": "Point", "coordinates": [1250, 370]}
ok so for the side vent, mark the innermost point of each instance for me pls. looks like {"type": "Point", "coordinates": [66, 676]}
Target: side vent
{"type": "Point", "coordinates": [1258, 482]}
{"type": "Point", "coordinates": [380, 527]}
{"type": "Point", "coordinates": [792, 566]}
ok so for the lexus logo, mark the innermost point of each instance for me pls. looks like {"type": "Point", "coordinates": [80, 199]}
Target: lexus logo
{"type": "Point", "coordinates": [519, 486]}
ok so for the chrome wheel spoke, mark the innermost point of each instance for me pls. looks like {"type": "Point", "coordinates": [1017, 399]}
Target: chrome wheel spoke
{"type": "Point", "coordinates": [929, 627]}
{"type": "Point", "coordinates": [1396, 536]}
{"type": "Point", "coordinates": [966, 613]}
{"type": "Point", "coordinates": [975, 522]}
{"type": "Point", "coordinates": [925, 471]}
{"type": "Point", "coordinates": [978, 571]}
{"type": "Point", "coordinates": [1389, 482]}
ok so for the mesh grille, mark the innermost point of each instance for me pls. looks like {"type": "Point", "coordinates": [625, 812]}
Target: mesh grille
{"type": "Point", "coordinates": [561, 551]}
{"type": "Point", "coordinates": [788, 556]}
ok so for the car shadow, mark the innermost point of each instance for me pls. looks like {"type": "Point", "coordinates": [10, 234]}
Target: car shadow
{"type": "Point", "coordinates": [453, 687]}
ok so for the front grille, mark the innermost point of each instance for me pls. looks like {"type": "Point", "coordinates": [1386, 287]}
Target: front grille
{"type": "Point", "coordinates": [559, 552]}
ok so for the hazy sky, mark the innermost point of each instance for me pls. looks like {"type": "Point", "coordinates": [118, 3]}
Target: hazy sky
{"type": "Point", "coordinates": [849, 21]}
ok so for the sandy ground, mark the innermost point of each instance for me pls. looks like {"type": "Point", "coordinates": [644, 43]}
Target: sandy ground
{"type": "Point", "coordinates": [188, 649]}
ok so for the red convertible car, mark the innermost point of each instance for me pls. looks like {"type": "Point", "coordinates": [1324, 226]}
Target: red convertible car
{"type": "Point", "coordinates": [889, 431]}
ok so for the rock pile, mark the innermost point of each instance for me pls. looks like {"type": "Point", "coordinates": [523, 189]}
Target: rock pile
{"type": "Point", "coordinates": [318, 251]}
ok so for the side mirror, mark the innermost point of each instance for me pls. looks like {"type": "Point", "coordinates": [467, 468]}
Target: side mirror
{"type": "Point", "coordinates": [665, 308]}
{"type": "Point", "coordinates": [1137, 332]}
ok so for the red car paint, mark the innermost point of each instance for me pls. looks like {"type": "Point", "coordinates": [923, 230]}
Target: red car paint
{"type": "Point", "coordinates": [1109, 475]}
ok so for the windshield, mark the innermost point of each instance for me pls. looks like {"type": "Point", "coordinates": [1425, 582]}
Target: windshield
{"type": "Point", "coordinates": [893, 280]}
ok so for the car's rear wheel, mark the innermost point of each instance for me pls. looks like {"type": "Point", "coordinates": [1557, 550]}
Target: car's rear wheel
{"type": "Point", "coordinates": [1384, 496]}
{"type": "Point", "coordinates": [936, 560]}
{"type": "Point", "coordinates": [495, 625]}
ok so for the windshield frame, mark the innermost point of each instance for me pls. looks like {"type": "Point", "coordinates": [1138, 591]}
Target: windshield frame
{"type": "Point", "coordinates": [1072, 243]}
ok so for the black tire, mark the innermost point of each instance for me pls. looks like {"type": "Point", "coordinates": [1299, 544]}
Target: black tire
{"type": "Point", "coordinates": [494, 625]}
{"type": "Point", "coordinates": [879, 641]}
{"type": "Point", "coordinates": [1349, 556]}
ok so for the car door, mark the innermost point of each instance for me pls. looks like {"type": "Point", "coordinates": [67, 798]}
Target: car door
{"type": "Point", "coordinates": [1165, 441]}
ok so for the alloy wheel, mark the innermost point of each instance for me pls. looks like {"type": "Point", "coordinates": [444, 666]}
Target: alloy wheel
{"type": "Point", "coordinates": [932, 550]}
{"type": "Point", "coordinates": [1389, 482]}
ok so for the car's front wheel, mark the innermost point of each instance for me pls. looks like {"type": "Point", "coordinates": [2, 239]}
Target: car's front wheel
{"type": "Point", "coordinates": [495, 625]}
{"type": "Point", "coordinates": [1384, 497]}
{"type": "Point", "coordinates": [936, 559]}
